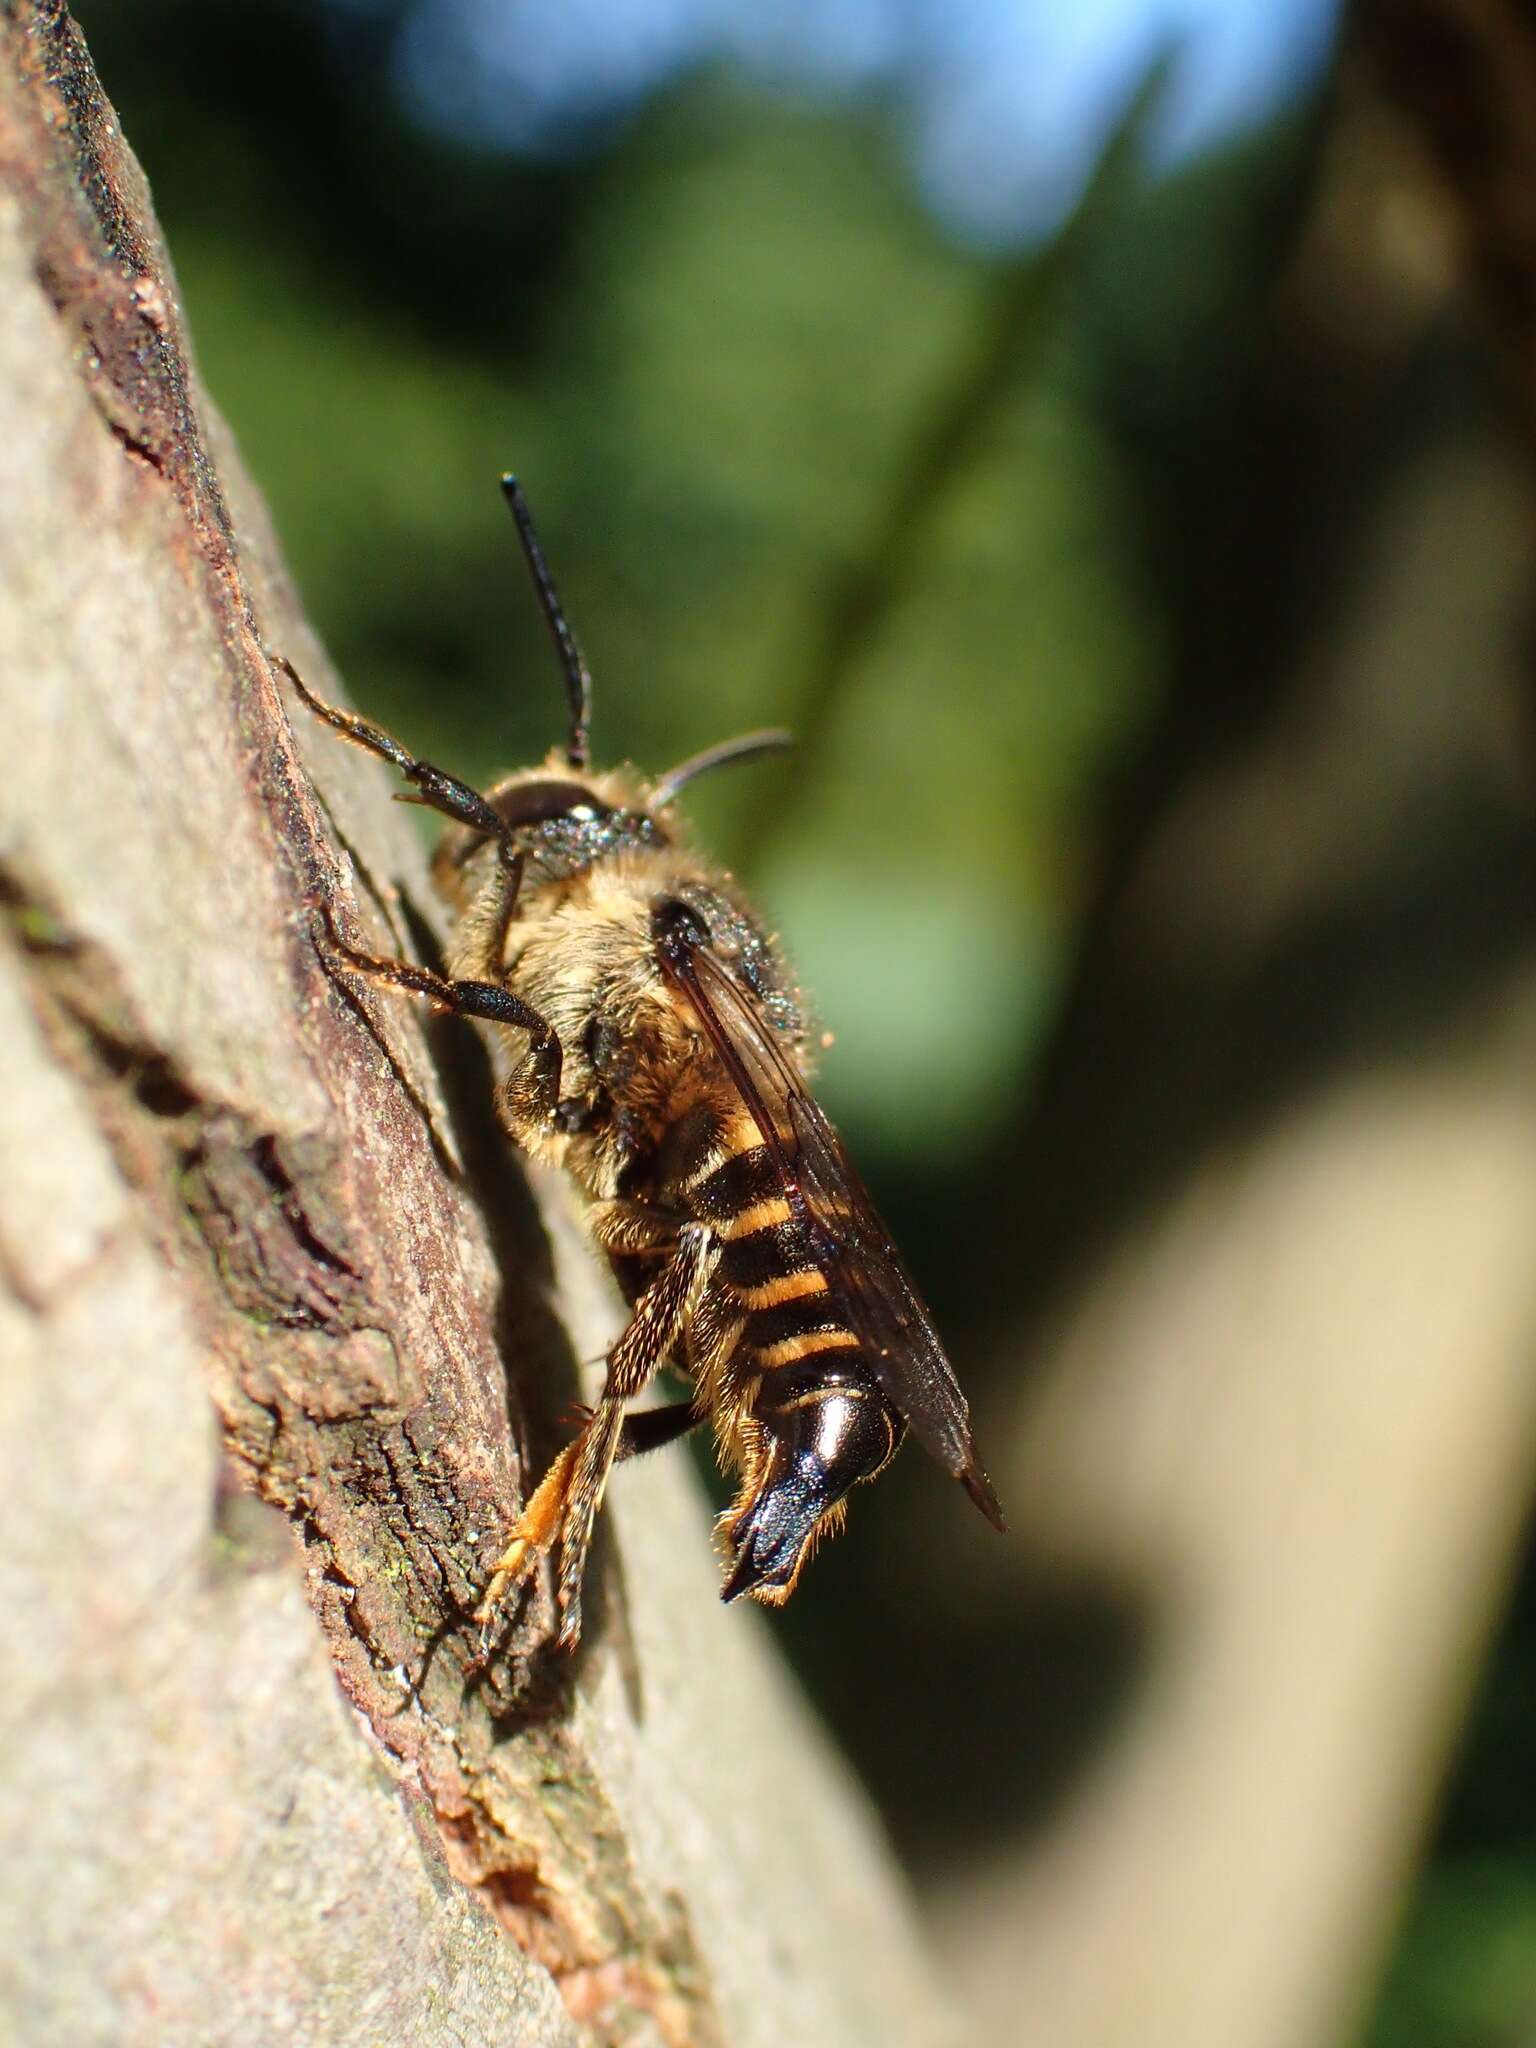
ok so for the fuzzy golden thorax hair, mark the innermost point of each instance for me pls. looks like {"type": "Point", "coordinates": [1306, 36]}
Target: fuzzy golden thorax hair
{"type": "Point", "coordinates": [647, 1100]}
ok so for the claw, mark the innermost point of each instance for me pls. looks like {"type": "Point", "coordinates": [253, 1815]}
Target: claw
{"type": "Point", "coordinates": [535, 1532]}
{"type": "Point", "coordinates": [510, 1567]}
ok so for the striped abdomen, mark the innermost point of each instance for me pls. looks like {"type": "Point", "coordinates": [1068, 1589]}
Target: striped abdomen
{"type": "Point", "coordinates": [768, 1259]}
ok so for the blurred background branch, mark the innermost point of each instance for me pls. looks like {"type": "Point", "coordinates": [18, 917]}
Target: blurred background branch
{"type": "Point", "coordinates": [1016, 318]}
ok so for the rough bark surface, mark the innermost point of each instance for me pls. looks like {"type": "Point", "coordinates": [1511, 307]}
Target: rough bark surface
{"type": "Point", "coordinates": [270, 1281]}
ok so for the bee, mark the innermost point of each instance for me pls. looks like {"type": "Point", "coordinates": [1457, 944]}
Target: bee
{"type": "Point", "coordinates": [657, 1051]}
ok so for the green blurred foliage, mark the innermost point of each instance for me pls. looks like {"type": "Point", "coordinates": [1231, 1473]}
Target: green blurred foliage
{"type": "Point", "coordinates": [1463, 1974]}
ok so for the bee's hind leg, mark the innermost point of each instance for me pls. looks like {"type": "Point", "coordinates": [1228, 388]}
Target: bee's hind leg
{"type": "Point", "coordinates": [535, 1530]}
{"type": "Point", "coordinates": [564, 1505]}
{"type": "Point", "coordinates": [552, 1505]}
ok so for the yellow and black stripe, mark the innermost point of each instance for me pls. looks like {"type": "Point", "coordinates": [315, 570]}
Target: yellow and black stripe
{"type": "Point", "coordinates": [768, 1258]}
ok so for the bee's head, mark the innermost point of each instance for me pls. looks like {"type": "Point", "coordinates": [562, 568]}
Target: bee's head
{"type": "Point", "coordinates": [815, 1430]}
{"type": "Point", "coordinates": [562, 820]}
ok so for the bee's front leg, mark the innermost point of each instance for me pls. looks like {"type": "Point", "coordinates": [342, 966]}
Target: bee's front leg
{"type": "Point", "coordinates": [565, 1503]}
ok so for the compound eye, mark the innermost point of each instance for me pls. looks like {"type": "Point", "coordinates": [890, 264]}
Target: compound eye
{"type": "Point", "coordinates": [536, 803]}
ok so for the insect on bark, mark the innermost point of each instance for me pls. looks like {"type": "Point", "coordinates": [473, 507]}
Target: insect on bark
{"type": "Point", "coordinates": [658, 1051]}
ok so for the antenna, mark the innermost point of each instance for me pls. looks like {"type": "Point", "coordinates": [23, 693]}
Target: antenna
{"type": "Point", "coordinates": [772, 740]}
{"type": "Point", "coordinates": [578, 680]}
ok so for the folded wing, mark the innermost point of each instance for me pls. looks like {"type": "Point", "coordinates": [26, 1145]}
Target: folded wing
{"type": "Point", "coordinates": [852, 1246]}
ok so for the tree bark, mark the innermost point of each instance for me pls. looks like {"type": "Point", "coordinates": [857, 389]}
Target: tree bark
{"type": "Point", "coordinates": [280, 1315]}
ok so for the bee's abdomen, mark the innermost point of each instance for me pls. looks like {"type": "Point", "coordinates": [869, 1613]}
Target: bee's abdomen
{"type": "Point", "coordinates": [784, 1332]}
{"type": "Point", "coordinates": [741, 1194]}
{"type": "Point", "coordinates": [769, 1260]}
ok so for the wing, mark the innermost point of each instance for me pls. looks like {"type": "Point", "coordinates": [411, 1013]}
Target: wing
{"type": "Point", "coordinates": [854, 1249]}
